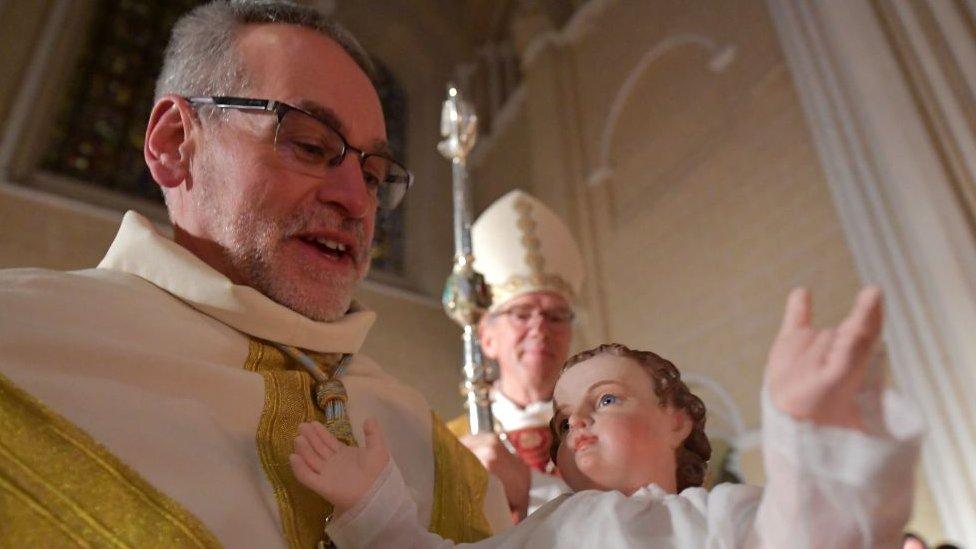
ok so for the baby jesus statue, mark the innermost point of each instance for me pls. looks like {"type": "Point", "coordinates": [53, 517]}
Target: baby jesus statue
{"type": "Point", "coordinates": [839, 454]}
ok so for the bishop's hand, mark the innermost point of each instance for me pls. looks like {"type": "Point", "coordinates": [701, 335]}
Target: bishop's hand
{"type": "Point", "coordinates": [822, 375]}
{"type": "Point", "coordinates": [515, 475]}
{"type": "Point", "coordinates": [339, 473]}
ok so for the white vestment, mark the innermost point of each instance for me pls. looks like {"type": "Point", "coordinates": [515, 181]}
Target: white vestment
{"type": "Point", "coordinates": [512, 417]}
{"type": "Point", "coordinates": [146, 353]}
{"type": "Point", "coordinates": [826, 487]}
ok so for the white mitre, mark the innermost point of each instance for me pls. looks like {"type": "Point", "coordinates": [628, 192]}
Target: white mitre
{"type": "Point", "coordinates": [521, 246]}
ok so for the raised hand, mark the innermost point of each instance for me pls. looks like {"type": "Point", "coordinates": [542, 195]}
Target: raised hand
{"type": "Point", "coordinates": [339, 473]}
{"type": "Point", "coordinates": [819, 375]}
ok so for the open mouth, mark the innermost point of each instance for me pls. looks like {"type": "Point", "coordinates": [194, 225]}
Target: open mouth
{"type": "Point", "coordinates": [328, 247]}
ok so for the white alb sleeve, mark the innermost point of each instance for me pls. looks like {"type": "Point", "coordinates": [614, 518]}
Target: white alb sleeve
{"type": "Point", "coordinates": [836, 487]}
{"type": "Point", "coordinates": [544, 488]}
{"type": "Point", "coordinates": [386, 517]}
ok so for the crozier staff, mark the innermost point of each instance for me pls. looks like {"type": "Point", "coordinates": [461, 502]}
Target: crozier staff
{"type": "Point", "coordinates": [534, 268]}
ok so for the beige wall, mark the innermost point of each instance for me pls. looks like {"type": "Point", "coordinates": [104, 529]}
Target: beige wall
{"type": "Point", "coordinates": [503, 161]}
{"type": "Point", "coordinates": [415, 342]}
{"type": "Point", "coordinates": [42, 230]}
{"type": "Point", "coordinates": [717, 206]}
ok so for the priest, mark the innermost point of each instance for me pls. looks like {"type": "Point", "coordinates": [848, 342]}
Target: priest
{"type": "Point", "coordinates": [154, 399]}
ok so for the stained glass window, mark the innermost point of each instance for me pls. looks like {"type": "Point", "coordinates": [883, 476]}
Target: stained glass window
{"type": "Point", "coordinates": [98, 138]}
{"type": "Point", "coordinates": [99, 135]}
{"type": "Point", "coordinates": [388, 241]}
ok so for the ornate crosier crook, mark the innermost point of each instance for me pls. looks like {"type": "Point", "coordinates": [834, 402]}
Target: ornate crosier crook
{"type": "Point", "coordinates": [466, 295]}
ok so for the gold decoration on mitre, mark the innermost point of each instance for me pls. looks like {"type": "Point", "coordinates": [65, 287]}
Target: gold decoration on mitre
{"type": "Point", "coordinates": [521, 246]}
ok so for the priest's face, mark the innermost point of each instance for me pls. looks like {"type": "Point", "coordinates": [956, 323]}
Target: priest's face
{"type": "Point", "coordinates": [529, 337]}
{"type": "Point", "coordinates": [613, 433]}
{"type": "Point", "coordinates": [302, 240]}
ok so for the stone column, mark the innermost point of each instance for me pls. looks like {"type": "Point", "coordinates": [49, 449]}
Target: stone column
{"type": "Point", "coordinates": [888, 91]}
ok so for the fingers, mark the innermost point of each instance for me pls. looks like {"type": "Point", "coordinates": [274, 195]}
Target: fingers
{"type": "Point", "coordinates": [375, 445]}
{"type": "Point", "coordinates": [867, 311]}
{"type": "Point", "coordinates": [798, 311]}
{"type": "Point", "coordinates": [315, 445]}
{"type": "Point", "coordinates": [817, 352]}
{"type": "Point", "coordinates": [302, 470]}
{"type": "Point", "coordinates": [859, 333]}
{"type": "Point", "coordinates": [374, 439]}
{"type": "Point", "coordinates": [320, 438]}
{"type": "Point", "coordinates": [308, 456]}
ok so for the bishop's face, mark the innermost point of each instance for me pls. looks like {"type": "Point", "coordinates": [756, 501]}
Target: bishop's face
{"type": "Point", "coordinates": [613, 434]}
{"type": "Point", "coordinates": [529, 337]}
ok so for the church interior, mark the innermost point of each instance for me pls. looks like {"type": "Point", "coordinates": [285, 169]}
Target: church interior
{"type": "Point", "coordinates": [708, 156]}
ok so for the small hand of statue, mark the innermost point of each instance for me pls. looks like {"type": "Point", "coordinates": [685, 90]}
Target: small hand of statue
{"type": "Point", "coordinates": [820, 375]}
{"type": "Point", "coordinates": [514, 474]}
{"type": "Point", "coordinates": [341, 474]}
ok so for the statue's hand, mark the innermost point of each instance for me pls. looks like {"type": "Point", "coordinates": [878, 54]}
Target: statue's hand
{"type": "Point", "coordinates": [339, 473]}
{"type": "Point", "coordinates": [818, 375]}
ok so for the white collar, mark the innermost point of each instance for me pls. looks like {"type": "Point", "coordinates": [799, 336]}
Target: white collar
{"type": "Point", "coordinates": [140, 250]}
{"type": "Point", "coordinates": [513, 417]}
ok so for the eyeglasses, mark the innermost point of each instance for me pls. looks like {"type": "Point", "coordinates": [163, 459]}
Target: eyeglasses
{"type": "Point", "coordinates": [311, 146]}
{"type": "Point", "coordinates": [522, 315]}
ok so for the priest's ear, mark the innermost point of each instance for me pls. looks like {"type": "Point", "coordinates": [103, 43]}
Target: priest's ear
{"type": "Point", "coordinates": [167, 147]}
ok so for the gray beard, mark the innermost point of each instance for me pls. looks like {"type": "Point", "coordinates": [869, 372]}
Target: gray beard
{"type": "Point", "coordinates": [260, 274]}
{"type": "Point", "coordinates": [251, 244]}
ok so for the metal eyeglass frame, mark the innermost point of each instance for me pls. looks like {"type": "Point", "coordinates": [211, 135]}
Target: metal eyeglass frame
{"type": "Point", "coordinates": [542, 313]}
{"type": "Point", "coordinates": [280, 109]}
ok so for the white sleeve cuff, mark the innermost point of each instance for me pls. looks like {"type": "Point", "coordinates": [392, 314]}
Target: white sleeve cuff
{"type": "Point", "coordinates": [847, 455]}
{"type": "Point", "coordinates": [387, 498]}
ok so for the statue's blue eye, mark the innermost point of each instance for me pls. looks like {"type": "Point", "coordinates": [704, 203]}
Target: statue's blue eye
{"type": "Point", "coordinates": [607, 400]}
{"type": "Point", "coordinates": [564, 426]}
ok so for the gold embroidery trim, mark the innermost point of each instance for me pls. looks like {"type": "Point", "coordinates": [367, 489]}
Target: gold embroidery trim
{"type": "Point", "coordinates": [460, 426]}
{"type": "Point", "coordinates": [529, 241]}
{"type": "Point", "coordinates": [60, 487]}
{"type": "Point", "coordinates": [460, 481]}
{"type": "Point", "coordinates": [515, 284]}
{"type": "Point", "coordinates": [288, 402]}
{"type": "Point", "coordinates": [460, 485]}
{"type": "Point", "coordinates": [537, 279]}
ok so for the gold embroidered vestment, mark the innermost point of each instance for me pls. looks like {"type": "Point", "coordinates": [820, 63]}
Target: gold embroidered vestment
{"type": "Point", "coordinates": [460, 482]}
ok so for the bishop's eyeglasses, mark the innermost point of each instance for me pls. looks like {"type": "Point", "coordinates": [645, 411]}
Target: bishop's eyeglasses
{"type": "Point", "coordinates": [309, 145]}
{"type": "Point", "coordinates": [522, 315]}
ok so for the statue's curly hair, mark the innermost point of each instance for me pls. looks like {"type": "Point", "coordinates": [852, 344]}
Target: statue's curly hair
{"type": "Point", "coordinates": [693, 455]}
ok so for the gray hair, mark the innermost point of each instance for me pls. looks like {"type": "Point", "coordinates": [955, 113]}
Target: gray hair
{"type": "Point", "coordinates": [201, 59]}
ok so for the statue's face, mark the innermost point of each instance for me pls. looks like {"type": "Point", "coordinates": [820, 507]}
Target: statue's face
{"type": "Point", "coordinates": [613, 433]}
